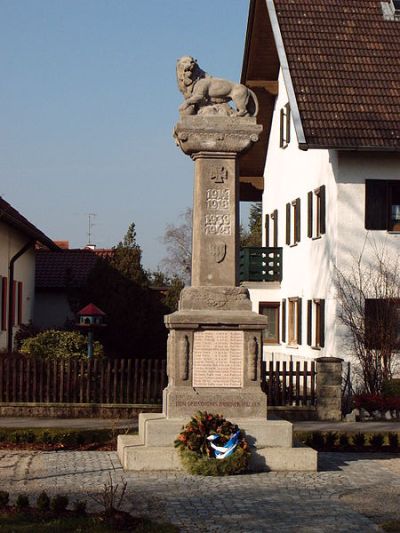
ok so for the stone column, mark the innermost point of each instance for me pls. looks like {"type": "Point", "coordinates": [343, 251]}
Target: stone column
{"type": "Point", "coordinates": [214, 144]}
{"type": "Point", "coordinates": [329, 388]}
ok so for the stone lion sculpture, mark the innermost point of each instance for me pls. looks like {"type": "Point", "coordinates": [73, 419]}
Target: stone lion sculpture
{"type": "Point", "coordinates": [205, 95]}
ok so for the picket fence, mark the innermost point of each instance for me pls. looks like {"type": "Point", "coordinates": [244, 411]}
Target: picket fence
{"type": "Point", "coordinates": [100, 381]}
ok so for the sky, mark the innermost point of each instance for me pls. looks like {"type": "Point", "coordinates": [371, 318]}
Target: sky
{"type": "Point", "coordinates": [88, 102]}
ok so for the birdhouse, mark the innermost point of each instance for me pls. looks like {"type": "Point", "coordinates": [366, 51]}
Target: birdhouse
{"type": "Point", "coordinates": [91, 317]}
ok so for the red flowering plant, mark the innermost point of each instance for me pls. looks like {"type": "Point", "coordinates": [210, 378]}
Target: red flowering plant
{"type": "Point", "coordinates": [197, 454]}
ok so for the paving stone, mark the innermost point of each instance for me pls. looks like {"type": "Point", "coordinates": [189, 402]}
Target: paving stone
{"type": "Point", "coordinates": [290, 502]}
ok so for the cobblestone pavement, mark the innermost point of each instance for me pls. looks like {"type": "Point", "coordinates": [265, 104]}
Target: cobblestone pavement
{"type": "Point", "coordinates": [273, 502]}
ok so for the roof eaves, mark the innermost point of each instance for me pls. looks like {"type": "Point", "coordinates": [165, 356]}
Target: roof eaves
{"type": "Point", "coordinates": [250, 23]}
{"type": "Point", "coordinates": [22, 224]}
{"type": "Point", "coordinates": [286, 75]}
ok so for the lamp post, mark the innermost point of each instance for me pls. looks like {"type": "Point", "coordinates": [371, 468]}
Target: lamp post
{"type": "Point", "coordinates": [90, 319]}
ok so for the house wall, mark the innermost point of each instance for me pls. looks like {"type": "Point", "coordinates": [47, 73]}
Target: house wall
{"type": "Point", "coordinates": [11, 241]}
{"type": "Point", "coordinates": [291, 173]}
{"type": "Point", "coordinates": [355, 241]}
{"type": "Point", "coordinates": [52, 310]}
{"type": "Point", "coordinates": [309, 267]}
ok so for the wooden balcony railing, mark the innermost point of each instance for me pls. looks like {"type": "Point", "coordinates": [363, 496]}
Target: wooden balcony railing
{"type": "Point", "coordinates": [260, 264]}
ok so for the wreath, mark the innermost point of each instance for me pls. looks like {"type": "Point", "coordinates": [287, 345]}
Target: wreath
{"type": "Point", "coordinates": [210, 445]}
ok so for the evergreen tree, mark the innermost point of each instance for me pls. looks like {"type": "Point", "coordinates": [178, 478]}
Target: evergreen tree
{"type": "Point", "coordinates": [119, 285]}
{"type": "Point", "coordinates": [253, 236]}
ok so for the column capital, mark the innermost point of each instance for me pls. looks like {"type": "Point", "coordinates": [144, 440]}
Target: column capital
{"type": "Point", "coordinates": [210, 134]}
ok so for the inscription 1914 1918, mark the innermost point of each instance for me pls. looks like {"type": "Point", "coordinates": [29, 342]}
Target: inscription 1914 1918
{"type": "Point", "coordinates": [218, 359]}
{"type": "Point", "coordinates": [218, 199]}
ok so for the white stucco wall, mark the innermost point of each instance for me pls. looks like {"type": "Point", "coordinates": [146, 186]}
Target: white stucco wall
{"type": "Point", "coordinates": [309, 266]}
{"type": "Point", "coordinates": [291, 173]}
{"type": "Point", "coordinates": [11, 241]}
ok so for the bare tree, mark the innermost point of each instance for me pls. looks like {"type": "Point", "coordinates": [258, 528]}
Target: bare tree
{"type": "Point", "coordinates": [369, 303]}
{"type": "Point", "coordinates": [178, 241]}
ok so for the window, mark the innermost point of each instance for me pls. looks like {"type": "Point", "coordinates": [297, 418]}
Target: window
{"type": "Point", "coordinates": [316, 213]}
{"type": "Point", "coordinates": [3, 303]}
{"type": "Point", "coordinates": [391, 9]}
{"type": "Point", "coordinates": [294, 321]}
{"type": "Point", "coordinates": [285, 126]}
{"type": "Point", "coordinates": [271, 229]}
{"type": "Point", "coordinates": [316, 323]}
{"type": "Point", "coordinates": [271, 311]}
{"type": "Point", "coordinates": [293, 222]}
{"type": "Point", "coordinates": [382, 205]}
{"type": "Point", "coordinates": [382, 323]}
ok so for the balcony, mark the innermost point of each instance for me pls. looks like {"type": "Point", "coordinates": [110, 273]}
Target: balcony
{"type": "Point", "coordinates": [260, 264]}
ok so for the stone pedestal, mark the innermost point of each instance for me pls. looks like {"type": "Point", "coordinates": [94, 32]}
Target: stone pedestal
{"type": "Point", "coordinates": [215, 340]}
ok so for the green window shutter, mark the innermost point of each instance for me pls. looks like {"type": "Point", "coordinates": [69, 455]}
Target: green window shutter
{"type": "Point", "coordinates": [287, 223]}
{"type": "Point", "coordinates": [284, 320]}
{"type": "Point", "coordinates": [310, 214]}
{"type": "Point", "coordinates": [266, 226]}
{"type": "Point", "coordinates": [298, 219]}
{"type": "Point", "coordinates": [376, 204]}
{"type": "Point", "coordinates": [322, 212]}
{"type": "Point", "coordinates": [309, 322]}
{"type": "Point", "coordinates": [322, 323]}
{"type": "Point", "coordinates": [276, 228]}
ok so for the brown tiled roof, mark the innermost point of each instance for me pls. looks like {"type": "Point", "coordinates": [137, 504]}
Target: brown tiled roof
{"type": "Point", "coordinates": [13, 218]}
{"type": "Point", "coordinates": [344, 61]}
{"type": "Point", "coordinates": [62, 269]}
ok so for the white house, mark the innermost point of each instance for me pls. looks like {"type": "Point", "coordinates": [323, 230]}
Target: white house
{"type": "Point", "coordinates": [18, 238]}
{"type": "Point", "coordinates": [327, 76]}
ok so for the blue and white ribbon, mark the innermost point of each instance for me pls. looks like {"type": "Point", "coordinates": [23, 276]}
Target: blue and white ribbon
{"type": "Point", "coordinates": [221, 452]}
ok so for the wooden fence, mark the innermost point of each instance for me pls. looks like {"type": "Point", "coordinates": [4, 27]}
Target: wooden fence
{"type": "Point", "coordinates": [289, 383]}
{"type": "Point", "coordinates": [112, 381]}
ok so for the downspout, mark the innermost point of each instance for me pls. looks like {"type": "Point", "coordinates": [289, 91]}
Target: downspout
{"type": "Point", "coordinates": [11, 291]}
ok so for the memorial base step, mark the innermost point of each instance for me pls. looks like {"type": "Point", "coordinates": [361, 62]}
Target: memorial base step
{"type": "Point", "coordinates": [270, 443]}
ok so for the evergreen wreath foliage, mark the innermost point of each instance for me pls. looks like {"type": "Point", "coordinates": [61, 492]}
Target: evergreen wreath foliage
{"type": "Point", "coordinates": [196, 454]}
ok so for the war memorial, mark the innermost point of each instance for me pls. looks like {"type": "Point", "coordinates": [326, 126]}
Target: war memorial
{"type": "Point", "coordinates": [214, 352]}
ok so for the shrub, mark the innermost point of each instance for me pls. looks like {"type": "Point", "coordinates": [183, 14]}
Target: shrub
{"type": "Point", "coordinates": [330, 439]}
{"type": "Point", "coordinates": [376, 440]}
{"type": "Point", "coordinates": [26, 437]}
{"type": "Point", "coordinates": [359, 440]}
{"type": "Point", "coordinates": [43, 502]}
{"type": "Point", "coordinates": [317, 440]}
{"type": "Point", "coordinates": [79, 507]}
{"type": "Point", "coordinates": [370, 402]}
{"type": "Point", "coordinates": [393, 440]}
{"type": "Point", "coordinates": [55, 344]}
{"type": "Point", "coordinates": [196, 454]}
{"type": "Point", "coordinates": [3, 436]}
{"type": "Point", "coordinates": [22, 502]}
{"type": "Point", "coordinates": [392, 388]}
{"type": "Point", "coordinates": [344, 440]}
{"type": "Point", "coordinates": [4, 498]}
{"type": "Point", "coordinates": [59, 503]}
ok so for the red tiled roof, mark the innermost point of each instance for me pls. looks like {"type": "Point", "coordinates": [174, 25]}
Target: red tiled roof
{"type": "Point", "coordinates": [12, 217]}
{"type": "Point", "coordinates": [344, 61]}
{"type": "Point", "coordinates": [62, 269]}
{"type": "Point", "coordinates": [91, 309]}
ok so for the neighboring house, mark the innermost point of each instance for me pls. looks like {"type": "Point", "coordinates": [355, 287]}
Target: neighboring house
{"type": "Point", "coordinates": [327, 76]}
{"type": "Point", "coordinates": [18, 238]}
{"type": "Point", "coordinates": [59, 278]}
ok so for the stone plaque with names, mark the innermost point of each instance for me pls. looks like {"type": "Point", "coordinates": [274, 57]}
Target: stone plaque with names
{"type": "Point", "coordinates": [218, 358]}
